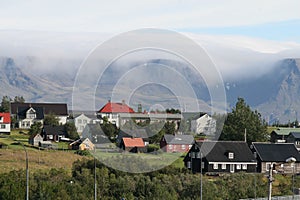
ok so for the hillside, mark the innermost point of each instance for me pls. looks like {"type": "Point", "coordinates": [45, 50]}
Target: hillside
{"type": "Point", "coordinates": [275, 94]}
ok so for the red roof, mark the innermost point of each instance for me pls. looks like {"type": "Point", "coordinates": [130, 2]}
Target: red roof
{"type": "Point", "coordinates": [5, 118]}
{"type": "Point", "coordinates": [133, 142]}
{"type": "Point", "coordinates": [116, 108]}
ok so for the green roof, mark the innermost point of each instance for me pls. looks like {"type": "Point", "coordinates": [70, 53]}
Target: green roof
{"type": "Point", "coordinates": [286, 131]}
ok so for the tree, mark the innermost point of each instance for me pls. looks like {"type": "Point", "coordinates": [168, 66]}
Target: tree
{"type": "Point", "coordinates": [36, 127]}
{"type": "Point", "coordinates": [109, 129]}
{"type": "Point", "coordinates": [5, 104]}
{"type": "Point", "coordinates": [19, 99]}
{"type": "Point", "coordinates": [242, 119]}
{"type": "Point", "coordinates": [71, 130]}
{"type": "Point", "coordinates": [51, 119]}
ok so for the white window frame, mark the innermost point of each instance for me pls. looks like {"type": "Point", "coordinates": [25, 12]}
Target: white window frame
{"type": "Point", "coordinates": [238, 166]}
{"type": "Point", "coordinates": [183, 146]}
{"type": "Point", "coordinates": [224, 166]}
{"type": "Point", "coordinates": [231, 155]}
{"type": "Point", "coordinates": [215, 166]}
{"type": "Point", "coordinates": [244, 166]}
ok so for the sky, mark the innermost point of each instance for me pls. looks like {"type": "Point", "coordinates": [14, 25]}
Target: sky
{"type": "Point", "coordinates": [234, 33]}
{"type": "Point", "coordinates": [267, 19]}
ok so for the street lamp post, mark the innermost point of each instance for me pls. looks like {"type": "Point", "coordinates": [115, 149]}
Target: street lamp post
{"type": "Point", "coordinates": [27, 172]}
{"type": "Point", "coordinates": [270, 181]}
{"type": "Point", "coordinates": [95, 167]}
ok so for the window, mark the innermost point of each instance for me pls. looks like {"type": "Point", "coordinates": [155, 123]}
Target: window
{"type": "Point", "coordinates": [215, 166]}
{"type": "Point", "coordinates": [79, 121]}
{"type": "Point", "coordinates": [223, 166]}
{"type": "Point", "coordinates": [183, 146]}
{"type": "Point", "coordinates": [170, 146]}
{"type": "Point", "coordinates": [2, 126]}
{"type": "Point", "coordinates": [189, 164]}
{"type": "Point", "coordinates": [230, 155]}
{"type": "Point", "coordinates": [268, 165]}
{"type": "Point", "coordinates": [244, 166]}
{"type": "Point", "coordinates": [238, 166]}
{"type": "Point", "coordinates": [84, 121]}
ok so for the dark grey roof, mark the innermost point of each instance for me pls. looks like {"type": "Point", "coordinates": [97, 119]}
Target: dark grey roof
{"type": "Point", "coordinates": [54, 130]}
{"type": "Point", "coordinates": [95, 130]}
{"type": "Point", "coordinates": [137, 133]}
{"type": "Point", "coordinates": [217, 151]}
{"type": "Point", "coordinates": [276, 152]}
{"type": "Point", "coordinates": [295, 135]}
{"type": "Point", "coordinates": [179, 139]}
{"type": "Point", "coordinates": [23, 109]}
{"type": "Point", "coordinates": [55, 108]}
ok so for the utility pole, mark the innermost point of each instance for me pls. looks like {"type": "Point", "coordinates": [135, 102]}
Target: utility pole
{"type": "Point", "coordinates": [270, 182]}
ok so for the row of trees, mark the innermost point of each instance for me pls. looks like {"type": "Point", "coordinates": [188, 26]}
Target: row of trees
{"type": "Point", "coordinates": [6, 100]}
{"type": "Point", "coordinates": [168, 183]}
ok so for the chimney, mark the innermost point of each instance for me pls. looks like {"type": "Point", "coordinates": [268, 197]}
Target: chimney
{"type": "Point", "coordinates": [123, 102]}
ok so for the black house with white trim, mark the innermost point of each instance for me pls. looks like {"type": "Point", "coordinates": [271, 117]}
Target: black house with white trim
{"type": "Point", "coordinates": [220, 157]}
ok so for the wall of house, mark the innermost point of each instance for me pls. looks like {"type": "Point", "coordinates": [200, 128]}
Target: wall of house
{"type": "Point", "coordinates": [80, 122]}
{"type": "Point", "coordinates": [4, 128]}
{"type": "Point", "coordinates": [177, 148]}
{"type": "Point", "coordinates": [286, 168]}
{"type": "Point", "coordinates": [62, 119]}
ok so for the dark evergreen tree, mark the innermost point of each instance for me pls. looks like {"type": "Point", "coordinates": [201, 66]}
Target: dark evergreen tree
{"type": "Point", "coordinates": [243, 121]}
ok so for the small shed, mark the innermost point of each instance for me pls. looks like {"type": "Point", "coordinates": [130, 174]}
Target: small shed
{"type": "Point", "coordinates": [35, 139]}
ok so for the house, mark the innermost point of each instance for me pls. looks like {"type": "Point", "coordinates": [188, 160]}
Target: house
{"type": "Point", "coordinates": [5, 123]}
{"type": "Point", "coordinates": [276, 154]}
{"type": "Point", "coordinates": [54, 133]}
{"type": "Point", "coordinates": [203, 124]}
{"type": "Point", "coordinates": [35, 139]}
{"type": "Point", "coordinates": [294, 137]}
{"type": "Point", "coordinates": [28, 113]}
{"type": "Point", "coordinates": [82, 144]}
{"type": "Point", "coordinates": [176, 143]}
{"type": "Point", "coordinates": [97, 136]}
{"type": "Point", "coordinates": [133, 133]}
{"type": "Point", "coordinates": [220, 157]}
{"type": "Point", "coordinates": [280, 135]}
{"type": "Point", "coordinates": [133, 145]}
{"type": "Point", "coordinates": [82, 120]}
{"type": "Point", "coordinates": [111, 111]}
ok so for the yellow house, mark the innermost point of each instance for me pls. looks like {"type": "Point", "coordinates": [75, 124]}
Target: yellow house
{"type": "Point", "coordinates": [82, 144]}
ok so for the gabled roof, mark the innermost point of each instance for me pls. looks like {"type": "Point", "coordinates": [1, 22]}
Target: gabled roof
{"type": "Point", "coordinates": [47, 108]}
{"type": "Point", "coordinates": [276, 152]}
{"type": "Point", "coordinates": [137, 133]}
{"type": "Point", "coordinates": [217, 151]}
{"type": "Point", "coordinates": [133, 142]}
{"type": "Point", "coordinates": [54, 130]}
{"type": "Point", "coordinates": [178, 139]}
{"type": "Point", "coordinates": [23, 109]}
{"type": "Point", "coordinates": [296, 135]}
{"type": "Point", "coordinates": [116, 108]}
{"type": "Point", "coordinates": [6, 118]}
{"type": "Point", "coordinates": [80, 141]}
{"type": "Point", "coordinates": [285, 131]}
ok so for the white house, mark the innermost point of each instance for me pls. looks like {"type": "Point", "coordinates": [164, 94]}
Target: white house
{"type": "Point", "coordinates": [203, 124]}
{"type": "Point", "coordinates": [82, 120]}
{"type": "Point", "coordinates": [5, 123]}
{"type": "Point", "coordinates": [28, 113]}
{"type": "Point", "coordinates": [111, 112]}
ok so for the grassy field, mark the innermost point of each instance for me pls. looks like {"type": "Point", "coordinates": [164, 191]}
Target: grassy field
{"type": "Point", "coordinates": [12, 155]}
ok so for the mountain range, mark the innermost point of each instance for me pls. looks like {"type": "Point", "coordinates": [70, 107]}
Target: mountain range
{"type": "Point", "coordinates": [276, 94]}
